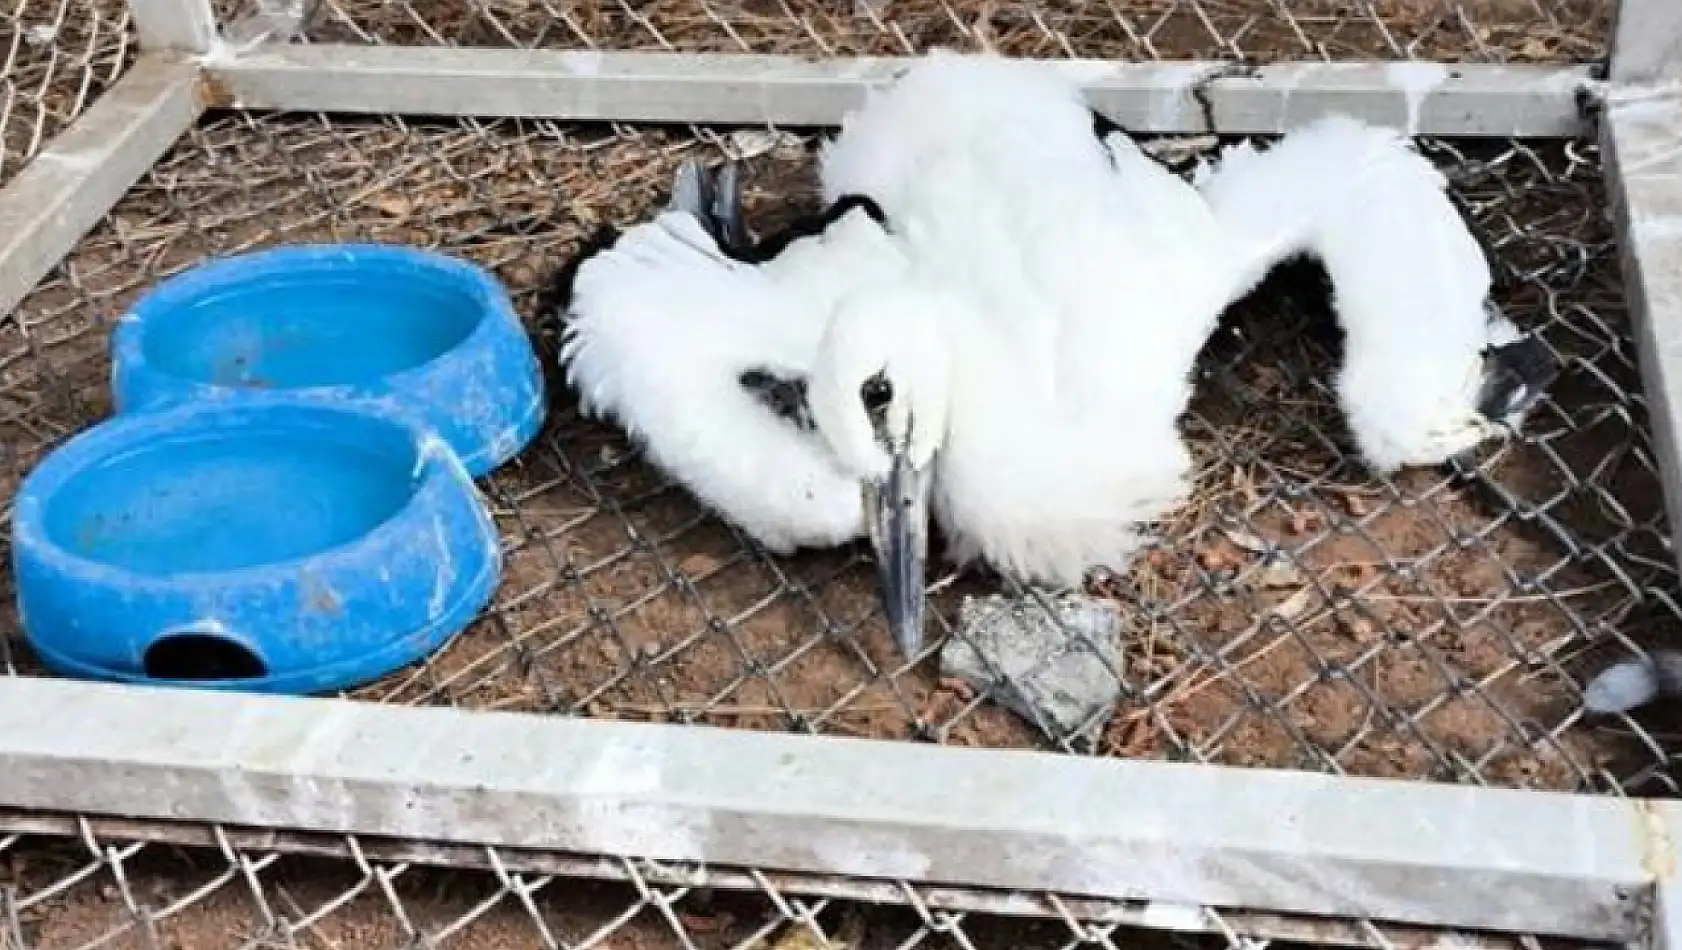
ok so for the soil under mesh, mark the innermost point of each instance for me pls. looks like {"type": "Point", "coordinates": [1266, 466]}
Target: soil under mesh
{"type": "Point", "coordinates": [1433, 626]}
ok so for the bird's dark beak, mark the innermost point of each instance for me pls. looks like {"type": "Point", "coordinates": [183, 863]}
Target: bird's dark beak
{"type": "Point", "coordinates": [897, 513]}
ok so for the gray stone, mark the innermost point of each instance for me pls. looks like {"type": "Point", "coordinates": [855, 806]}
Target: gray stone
{"type": "Point", "coordinates": [1057, 668]}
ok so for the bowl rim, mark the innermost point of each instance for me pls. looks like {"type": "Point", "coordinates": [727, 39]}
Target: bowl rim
{"type": "Point", "coordinates": [128, 353]}
{"type": "Point", "coordinates": [436, 468]}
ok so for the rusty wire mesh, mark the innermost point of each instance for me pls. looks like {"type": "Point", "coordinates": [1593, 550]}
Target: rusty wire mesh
{"type": "Point", "coordinates": [56, 57]}
{"type": "Point", "coordinates": [1460, 30]}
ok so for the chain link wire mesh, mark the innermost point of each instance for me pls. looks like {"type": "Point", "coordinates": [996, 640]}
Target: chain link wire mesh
{"type": "Point", "coordinates": [56, 57]}
{"type": "Point", "coordinates": [91, 884]}
{"type": "Point", "coordinates": [1457, 30]}
{"type": "Point", "coordinates": [1300, 613]}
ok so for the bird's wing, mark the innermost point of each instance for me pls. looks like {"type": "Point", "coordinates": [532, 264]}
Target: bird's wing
{"type": "Point", "coordinates": [1410, 280]}
{"type": "Point", "coordinates": [701, 359]}
{"type": "Point", "coordinates": [1322, 185]}
{"type": "Point", "coordinates": [1265, 206]}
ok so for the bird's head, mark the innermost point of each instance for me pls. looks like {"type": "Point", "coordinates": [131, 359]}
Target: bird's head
{"type": "Point", "coordinates": [880, 394]}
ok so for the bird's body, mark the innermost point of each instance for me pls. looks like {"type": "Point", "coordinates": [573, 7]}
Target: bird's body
{"type": "Point", "coordinates": [1090, 278]}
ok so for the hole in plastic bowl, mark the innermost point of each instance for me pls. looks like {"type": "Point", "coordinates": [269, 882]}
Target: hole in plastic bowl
{"type": "Point", "coordinates": [201, 656]}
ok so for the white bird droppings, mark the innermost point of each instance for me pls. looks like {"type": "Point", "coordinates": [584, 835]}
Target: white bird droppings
{"type": "Point", "coordinates": [870, 855]}
{"type": "Point", "coordinates": [1656, 227]}
{"type": "Point", "coordinates": [1163, 915]}
{"type": "Point", "coordinates": [1416, 81]}
{"type": "Point", "coordinates": [584, 63]}
{"type": "Point", "coordinates": [1622, 687]}
{"type": "Point", "coordinates": [613, 815]}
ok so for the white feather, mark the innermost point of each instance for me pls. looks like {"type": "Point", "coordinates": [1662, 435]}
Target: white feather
{"type": "Point", "coordinates": [662, 326]}
{"type": "Point", "coordinates": [1089, 278]}
{"type": "Point", "coordinates": [1411, 282]}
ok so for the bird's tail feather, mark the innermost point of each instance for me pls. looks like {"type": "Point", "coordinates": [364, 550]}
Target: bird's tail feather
{"type": "Point", "coordinates": [1515, 376]}
{"type": "Point", "coordinates": [714, 199]}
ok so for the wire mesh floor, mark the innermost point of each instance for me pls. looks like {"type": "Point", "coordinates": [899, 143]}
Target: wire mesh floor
{"type": "Point", "coordinates": [92, 885]}
{"type": "Point", "coordinates": [1437, 626]}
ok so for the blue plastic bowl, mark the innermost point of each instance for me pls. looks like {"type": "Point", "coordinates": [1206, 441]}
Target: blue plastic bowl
{"type": "Point", "coordinates": [270, 545]}
{"type": "Point", "coordinates": [434, 334]}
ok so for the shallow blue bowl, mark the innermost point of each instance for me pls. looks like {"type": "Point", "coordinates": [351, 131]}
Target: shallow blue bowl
{"type": "Point", "coordinates": [433, 333]}
{"type": "Point", "coordinates": [270, 544]}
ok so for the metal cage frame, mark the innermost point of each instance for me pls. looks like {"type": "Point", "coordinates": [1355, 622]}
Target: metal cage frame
{"type": "Point", "coordinates": [988, 826]}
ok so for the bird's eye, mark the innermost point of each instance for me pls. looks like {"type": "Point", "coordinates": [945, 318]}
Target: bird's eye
{"type": "Point", "coordinates": [876, 393]}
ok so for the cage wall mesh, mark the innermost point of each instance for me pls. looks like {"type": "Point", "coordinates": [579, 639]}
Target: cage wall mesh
{"type": "Point", "coordinates": [56, 56]}
{"type": "Point", "coordinates": [1300, 613]}
{"type": "Point", "coordinates": [1484, 31]}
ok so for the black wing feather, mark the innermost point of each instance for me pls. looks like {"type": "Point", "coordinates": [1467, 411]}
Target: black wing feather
{"type": "Point", "coordinates": [783, 395]}
{"type": "Point", "coordinates": [804, 227]}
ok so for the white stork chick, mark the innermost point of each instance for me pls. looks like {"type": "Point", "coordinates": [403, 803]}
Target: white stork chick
{"type": "Point", "coordinates": [1431, 366]}
{"type": "Point", "coordinates": [1011, 353]}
